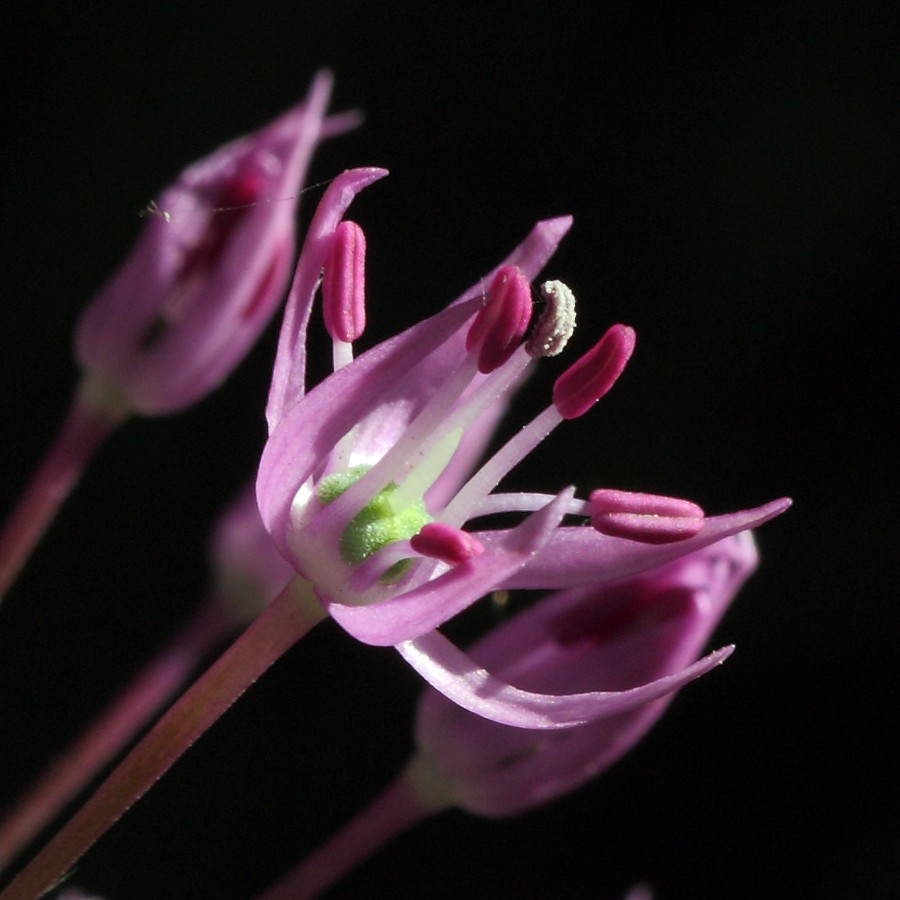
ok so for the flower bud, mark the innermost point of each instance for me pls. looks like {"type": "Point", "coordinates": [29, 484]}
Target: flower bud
{"type": "Point", "coordinates": [607, 637]}
{"type": "Point", "coordinates": [208, 270]}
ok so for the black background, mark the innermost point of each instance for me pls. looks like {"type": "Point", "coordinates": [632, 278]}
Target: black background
{"type": "Point", "coordinates": [732, 169]}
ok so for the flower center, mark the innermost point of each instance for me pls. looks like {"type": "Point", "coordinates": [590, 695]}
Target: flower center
{"type": "Point", "coordinates": [380, 522]}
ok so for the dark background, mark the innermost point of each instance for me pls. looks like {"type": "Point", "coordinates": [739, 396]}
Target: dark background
{"type": "Point", "coordinates": [732, 169]}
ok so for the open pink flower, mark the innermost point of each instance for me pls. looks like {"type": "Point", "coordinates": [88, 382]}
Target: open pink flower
{"type": "Point", "coordinates": [367, 480]}
{"type": "Point", "coordinates": [608, 638]}
{"type": "Point", "coordinates": [209, 268]}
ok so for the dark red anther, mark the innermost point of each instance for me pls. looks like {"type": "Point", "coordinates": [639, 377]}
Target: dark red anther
{"type": "Point", "coordinates": [344, 283]}
{"type": "Point", "coordinates": [448, 544]}
{"type": "Point", "coordinates": [587, 380]}
{"type": "Point", "coordinates": [503, 320]}
{"type": "Point", "coordinates": [649, 518]}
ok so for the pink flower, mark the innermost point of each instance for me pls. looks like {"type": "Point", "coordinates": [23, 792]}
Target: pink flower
{"type": "Point", "coordinates": [367, 480]}
{"type": "Point", "coordinates": [613, 638]}
{"type": "Point", "coordinates": [208, 270]}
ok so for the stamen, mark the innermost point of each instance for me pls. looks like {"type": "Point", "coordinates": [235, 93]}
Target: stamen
{"type": "Point", "coordinates": [586, 381]}
{"type": "Point", "coordinates": [501, 322]}
{"type": "Point", "coordinates": [344, 285]}
{"type": "Point", "coordinates": [553, 329]}
{"type": "Point", "coordinates": [648, 518]}
{"type": "Point", "coordinates": [450, 545]}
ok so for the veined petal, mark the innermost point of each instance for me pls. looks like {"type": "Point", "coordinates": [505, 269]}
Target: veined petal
{"type": "Point", "coordinates": [575, 556]}
{"type": "Point", "coordinates": [422, 609]}
{"type": "Point", "coordinates": [459, 678]}
{"type": "Point", "coordinates": [314, 424]}
{"type": "Point", "coordinates": [289, 372]}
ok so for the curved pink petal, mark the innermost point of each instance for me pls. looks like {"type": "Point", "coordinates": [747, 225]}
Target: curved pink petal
{"type": "Point", "coordinates": [456, 675]}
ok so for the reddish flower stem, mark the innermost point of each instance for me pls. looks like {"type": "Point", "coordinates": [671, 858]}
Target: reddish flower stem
{"type": "Point", "coordinates": [112, 730]}
{"type": "Point", "coordinates": [86, 426]}
{"type": "Point", "coordinates": [397, 809]}
{"type": "Point", "coordinates": [287, 619]}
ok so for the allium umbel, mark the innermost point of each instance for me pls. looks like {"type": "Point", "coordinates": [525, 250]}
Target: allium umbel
{"type": "Point", "coordinates": [367, 481]}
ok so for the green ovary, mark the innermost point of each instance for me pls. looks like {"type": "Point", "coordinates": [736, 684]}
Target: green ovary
{"type": "Point", "coordinates": [377, 523]}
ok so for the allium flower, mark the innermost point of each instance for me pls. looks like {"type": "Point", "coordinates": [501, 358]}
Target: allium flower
{"type": "Point", "coordinates": [366, 481]}
{"type": "Point", "coordinates": [614, 637]}
{"type": "Point", "coordinates": [209, 268]}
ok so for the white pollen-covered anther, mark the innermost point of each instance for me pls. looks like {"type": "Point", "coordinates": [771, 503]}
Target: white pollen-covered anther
{"type": "Point", "coordinates": [556, 323]}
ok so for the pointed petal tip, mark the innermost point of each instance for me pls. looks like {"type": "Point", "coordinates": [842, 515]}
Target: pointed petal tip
{"type": "Point", "coordinates": [558, 225]}
{"type": "Point", "coordinates": [342, 122]}
{"type": "Point", "coordinates": [366, 175]}
{"type": "Point", "coordinates": [723, 653]}
{"type": "Point", "coordinates": [322, 82]}
{"type": "Point", "coordinates": [324, 74]}
{"type": "Point", "coordinates": [772, 509]}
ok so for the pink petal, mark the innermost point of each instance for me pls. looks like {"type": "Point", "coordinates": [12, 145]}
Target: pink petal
{"type": "Point", "coordinates": [575, 556]}
{"type": "Point", "coordinates": [459, 678]}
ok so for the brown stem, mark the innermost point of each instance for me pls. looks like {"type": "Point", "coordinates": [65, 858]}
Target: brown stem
{"type": "Point", "coordinates": [397, 809]}
{"type": "Point", "coordinates": [86, 426]}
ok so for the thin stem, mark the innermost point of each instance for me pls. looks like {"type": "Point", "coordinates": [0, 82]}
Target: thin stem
{"type": "Point", "coordinates": [397, 809]}
{"type": "Point", "coordinates": [287, 619]}
{"type": "Point", "coordinates": [86, 426]}
{"type": "Point", "coordinates": [112, 730]}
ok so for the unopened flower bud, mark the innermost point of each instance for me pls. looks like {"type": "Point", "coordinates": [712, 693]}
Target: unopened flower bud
{"type": "Point", "coordinates": [207, 272]}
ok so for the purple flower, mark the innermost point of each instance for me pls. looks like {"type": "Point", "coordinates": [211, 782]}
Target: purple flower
{"type": "Point", "coordinates": [367, 480]}
{"type": "Point", "coordinates": [612, 638]}
{"type": "Point", "coordinates": [208, 270]}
